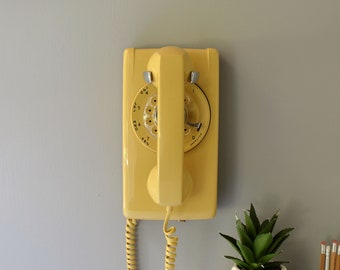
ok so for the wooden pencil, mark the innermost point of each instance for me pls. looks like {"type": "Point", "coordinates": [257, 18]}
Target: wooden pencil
{"type": "Point", "coordinates": [328, 251]}
{"type": "Point", "coordinates": [333, 255]}
{"type": "Point", "coordinates": [337, 261]}
{"type": "Point", "coordinates": [323, 255]}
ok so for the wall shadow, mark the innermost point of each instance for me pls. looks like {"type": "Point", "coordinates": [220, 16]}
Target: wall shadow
{"type": "Point", "coordinates": [227, 133]}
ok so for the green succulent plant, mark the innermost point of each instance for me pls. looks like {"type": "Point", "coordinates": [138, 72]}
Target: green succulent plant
{"type": "Point", "coordinates": [257, 244]}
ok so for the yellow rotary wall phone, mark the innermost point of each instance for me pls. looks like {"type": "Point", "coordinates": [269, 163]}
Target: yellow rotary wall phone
{"type": "Point", "coordinates": [170, 139]}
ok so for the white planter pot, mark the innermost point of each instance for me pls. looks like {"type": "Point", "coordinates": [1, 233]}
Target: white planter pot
{"type": "Point", "coordinates": [236, 268]}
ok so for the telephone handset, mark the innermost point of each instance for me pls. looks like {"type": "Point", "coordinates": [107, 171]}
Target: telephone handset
{"type": "Point", "coordinates": [170, 135]}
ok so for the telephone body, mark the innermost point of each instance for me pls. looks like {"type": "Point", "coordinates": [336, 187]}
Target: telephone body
{"type": "Point", "coordinates": [170, 132]}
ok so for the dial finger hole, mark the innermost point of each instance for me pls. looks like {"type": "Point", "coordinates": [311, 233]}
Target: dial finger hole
{"type": "Point", "coordinates": [154, 101]}
{"type": "Point", "coordinates": [149, 121]}
{"type": "Point", "coordinates": [148, 110]}
{"type": "Point", "coordinates": [186, 130]}
{"type": "Point", "coordinates": [154, 130]}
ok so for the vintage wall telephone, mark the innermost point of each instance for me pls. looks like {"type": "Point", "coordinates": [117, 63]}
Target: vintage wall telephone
{"type": "Point", "coordinates": [170, 139]}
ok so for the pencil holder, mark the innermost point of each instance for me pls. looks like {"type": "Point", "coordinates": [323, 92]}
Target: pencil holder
{"type": "Point", "coordinates": [236, 268]}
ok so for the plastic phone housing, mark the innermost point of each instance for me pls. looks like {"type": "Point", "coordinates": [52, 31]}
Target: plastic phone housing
{"type": "Point", "coordinates": [170, 132]}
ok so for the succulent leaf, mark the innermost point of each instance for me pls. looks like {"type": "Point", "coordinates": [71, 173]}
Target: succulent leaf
{"type": "Point", "coordinates": [257, 245]}
{"type": "Point", "coordinates": [254, 266]}
{"type": "Point", "coordinates": [266, 258]}
{"type": "Point", "coordinates": [261, 244]}
{"type": "Point", "coordinates": [240, 264]}
{"type": "Point", "coordinates": [279, 238]}
{"type": "Point", "coordinates": [232, 242]}
{"type": "Point", "coordinates": [247, 253]}
{"type": "Point", "coordinates": [250, 226]}
{"type": "Point", "coordinates": [276, 245]}
{"type": "Point", "coordinates": [269, 226]}
{"type": "Point", "coordinates": [273, 265]}
{"type": "Point", "coordinates": [263, 225]}
{"type": "Point", "coordinates": [243, 234]}
{"type": "Point", "coordinates": [283, 232]}
{"type": "Point", "coordinates": [254, 218]}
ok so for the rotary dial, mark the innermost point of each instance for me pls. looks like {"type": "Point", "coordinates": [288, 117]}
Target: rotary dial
{"type": "Point", "coordinates": [196, 116]}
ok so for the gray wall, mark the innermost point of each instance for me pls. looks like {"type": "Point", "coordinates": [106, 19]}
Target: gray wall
{"type": "Point", "coordinates": [60, 119]}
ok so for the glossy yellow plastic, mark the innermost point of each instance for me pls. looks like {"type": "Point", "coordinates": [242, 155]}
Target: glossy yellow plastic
{"type": "Point", "coordinates": [170, 172]}
{"type": "Point", "coordinates": [168, 67]}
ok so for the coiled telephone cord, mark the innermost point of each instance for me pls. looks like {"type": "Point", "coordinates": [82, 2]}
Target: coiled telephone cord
{"type": "Point", "coordinates": [171, 241]}
{"type": "Point", "coordinates": [130, 235]}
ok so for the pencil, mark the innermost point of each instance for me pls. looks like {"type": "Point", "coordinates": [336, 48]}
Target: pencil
{"type": "Point", "coordinates": [323, 255]}
{"type": "Point", "coordinates": [333, 255]}
{"type": "Point", "coordinates": [328, 250]}
{"type": "Point", "coordinates": [337, 261]}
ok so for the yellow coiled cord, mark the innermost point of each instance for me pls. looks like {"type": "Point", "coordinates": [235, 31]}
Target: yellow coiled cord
{"type": "Point", "coordinates": [130, 235]}
{"type": "Point", "coordinates": [171, 241]}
